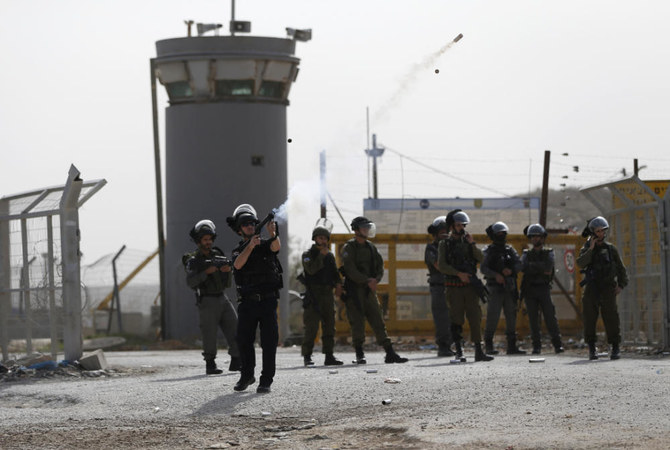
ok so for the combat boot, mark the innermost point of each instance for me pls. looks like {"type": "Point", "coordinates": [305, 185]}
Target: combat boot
{"type": "Point", "coordinates": [308, 360]}
{"type": "Point", "coordinates": [210, 368]}
{"type": "Point", "coordinates": [593, 351]}
{"type": "Point", "coordinates": [480, 355]}
{"type": "Point", "coordinates": [537, 348]}
{"type": "Point", "coordinates": [459, 348]}
{"type": "Point", "coordinates": [331, 360]}
{"type": "Point", "coordinates": [235, 364]}
{"type": "Point", "coordinates": [512, 349]}
{"type": "Point", "coordinates": [360, 356]}
{"type": "Point", "coordinates": [558, 345]}
{"type": "Point", "coordinates": [615, 352]}
{"type": "Point", "coordinates": [392, 356]}
{"type": "Point", "coordinates": [488, 345]}
{"type": "Point", "coordinates": [444, 350]}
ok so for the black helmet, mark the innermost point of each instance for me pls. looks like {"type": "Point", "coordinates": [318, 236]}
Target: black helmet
{"type": "Point", "coordinates": [594, 223]}
{"type": "Point", "coordinates": [495, 228]}
{"type": "Point", "coordinates": [359, 222]}
{"type": "Point", "coordinates": [203, 228]}
{"type": "Point", "coordinates": [535, 230]}
{"type": "Point", "coordinates": [323, 227]}
{"type": "Point", "coordinates": [438, 224]}
{"type": "Point", "coordinates": [242, 214]}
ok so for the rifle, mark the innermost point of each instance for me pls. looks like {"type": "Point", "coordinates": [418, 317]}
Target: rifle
{"type": "Point", "coordinates": [479, 287]}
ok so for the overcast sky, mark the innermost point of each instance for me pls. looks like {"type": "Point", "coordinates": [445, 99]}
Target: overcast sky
{"type": "Point", "coordinates": [587, 78]}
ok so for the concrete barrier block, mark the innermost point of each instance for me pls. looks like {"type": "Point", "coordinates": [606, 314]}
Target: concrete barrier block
{"type": "Point", "coordinates": [94, 360]}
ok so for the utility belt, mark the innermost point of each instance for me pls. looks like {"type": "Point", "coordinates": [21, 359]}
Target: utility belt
{"type": "Point", "coordinates": [456, 284]}
{"type": "Point", "coordinates": [258, 297]}
{"type": "Point", "coordinates": [438, 284]}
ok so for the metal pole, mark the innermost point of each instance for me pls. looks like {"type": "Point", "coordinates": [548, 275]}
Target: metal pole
{"type": "Point", "coordinates": [635, 167]}
{"type": "Point", "coordinates": [5, 296]}
{"type": "Point", "coordinates": [25, 288]}
{"type": "Point", "coordinates": [545, 189]}
{"type": "Point", "coordinates": [322, 184]}
{"type": "Point", "coordinates": [232, 17]}
{"type": "Point", "coordinates": [159, 197]}
{"type": "Point", "coordinates": [49, 267]}
{"type": "Point", "coordinates": [664, 235]}
{"type": "Point", "coordinates": [115, 296]}
{"type": "Point", "coordinates": [374, 167]}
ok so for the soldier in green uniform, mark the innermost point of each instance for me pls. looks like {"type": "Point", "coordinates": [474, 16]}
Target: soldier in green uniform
{"type": "Point", "coordinates": [208, 272]}
{"type": "Point", "coordinates": [438, 296]}
{"type": "Point", "coordinates": [320, 278]}
{"type": "Point", "coordinates": [605, 277]}
{"type": "Point", "coordinates": [537, 265]}
{"type": "Point", "coordinates": [458, 256]}
{"type": "Point", "coordinates": [363, 270]}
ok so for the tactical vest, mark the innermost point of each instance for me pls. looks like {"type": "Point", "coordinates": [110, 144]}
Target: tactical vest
{"type": "Point", "coordinates": [534, 259]}
{"type": "Point", "coordinates": [459, 255]}
{"type": "Point", "coordinates": [327, 275]}
{"type": "Point", "coordinates": [500, 257]}
{"type": "Point", "coordinates": [261, 274]}
{"type": "Point", "coordinates": [602, 264]}
{"type": "Point", "coordinates": [434, 275]}
{"type": "Point", "coordinates": [215, 282]}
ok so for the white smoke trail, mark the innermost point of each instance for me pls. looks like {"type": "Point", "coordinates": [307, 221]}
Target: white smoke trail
{"type": "Point", "coordinates": [301, 196]}
{"type": "Point", "coordinates": [409, 78]}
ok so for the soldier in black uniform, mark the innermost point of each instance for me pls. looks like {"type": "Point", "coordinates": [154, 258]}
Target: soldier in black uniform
{"type": "Point", "coordinates": [258, 278]}
{"type": "Point", "coordinates": [438, 298]}
{"type": "Point", "coordinates": [363, 270]}
{"type": "Point", "coordinates": [500, 267]}
{"type": "Point", "coordinates": [458, 257]}
{"type": "Point", "coordinates": [605, 277]}
{"type": "Point", "coordinates": [208, 272]}
{"type": "Point", "coordinates": [320, 278]}
{"type": "Point", "coordinates": [537, 265]}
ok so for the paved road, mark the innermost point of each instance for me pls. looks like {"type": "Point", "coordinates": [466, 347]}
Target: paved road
{"type": "Point", "coordinates": [564, 402]}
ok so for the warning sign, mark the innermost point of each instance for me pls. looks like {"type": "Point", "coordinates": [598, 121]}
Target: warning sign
{"type": "Point", "coordinates": [569, 260]}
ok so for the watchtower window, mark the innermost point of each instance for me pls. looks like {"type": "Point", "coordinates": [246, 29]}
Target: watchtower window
{"type": "Point", "coordinates": [274, 89]}
{"type": "Point", "coordinates": [179, 89]}
{"type": "Point", "coordinates": [226, 88]}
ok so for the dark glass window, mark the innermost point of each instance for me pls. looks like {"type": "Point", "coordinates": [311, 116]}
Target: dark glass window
{"type": "Point", "coordinates": [179, 89]}
{"type": "Point", "coordinates": [226, 88]}
{"type": "Point", "coordinates": [273, 89]}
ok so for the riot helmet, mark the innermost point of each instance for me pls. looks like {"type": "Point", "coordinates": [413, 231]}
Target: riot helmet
{"type": "Point", "coordinates": [203, 228]}
{"type": "Point", "coordinates": [364, 222]}
{"type": "Point", "coordinates": [497, 232]}
{"type": "Point", "coordinates": [438, 224]}
{"type": "Point", "coordinates": [456, 216]}
{"type": "Point", "coordinates": [593, 224]}
{"type": "Point", "coordinates": [244, 213]}
{"type": "Point", "coordinates": [535, 230]}
{"type": "Point", "coordinates": [323, 227]}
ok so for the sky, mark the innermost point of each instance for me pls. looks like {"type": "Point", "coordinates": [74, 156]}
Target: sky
{"type": "Point", "coordinates": [584, 78]}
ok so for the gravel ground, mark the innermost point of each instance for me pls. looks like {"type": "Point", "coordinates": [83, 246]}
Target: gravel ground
{"type": "Point", "coordinates": [162, 399]}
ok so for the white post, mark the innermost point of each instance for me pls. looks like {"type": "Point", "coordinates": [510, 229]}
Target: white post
{"type": "Point", "coordinates": [69, 231]}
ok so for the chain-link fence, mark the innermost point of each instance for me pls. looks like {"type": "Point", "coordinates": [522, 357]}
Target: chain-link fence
{"type": "Point", "coordinates": [39, 262]}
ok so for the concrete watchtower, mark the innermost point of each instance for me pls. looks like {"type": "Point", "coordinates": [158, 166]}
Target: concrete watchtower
{"type": "Point", "coordinates": [225, 145]}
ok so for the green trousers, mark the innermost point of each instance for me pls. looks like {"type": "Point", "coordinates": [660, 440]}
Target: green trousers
{"type": "Point", "coordinates": [464, 302]}
{"type": "Point", "coordinates": [321, 311]}
{"type": "Point", "coordinates": [600, 299]}
{"type": "Point", "coordinates": [366, 307]}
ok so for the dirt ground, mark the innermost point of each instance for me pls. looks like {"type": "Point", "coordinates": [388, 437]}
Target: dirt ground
{"type": "Point", "coordinates": [162, 399]}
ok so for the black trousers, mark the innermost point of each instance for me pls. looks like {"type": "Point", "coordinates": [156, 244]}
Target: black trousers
{"type": "Point", "coordinates": [251, 315]}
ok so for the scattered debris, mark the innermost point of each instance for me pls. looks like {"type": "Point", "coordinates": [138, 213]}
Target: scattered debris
{"type": "Point", "coordinates": [536, 360]}
{"type": "Point", "coordinates": [371, 371]}
{"type": "Point", "coordinates": [386, 401]}
{"type": "Point", "coordinates": [392, 380]}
